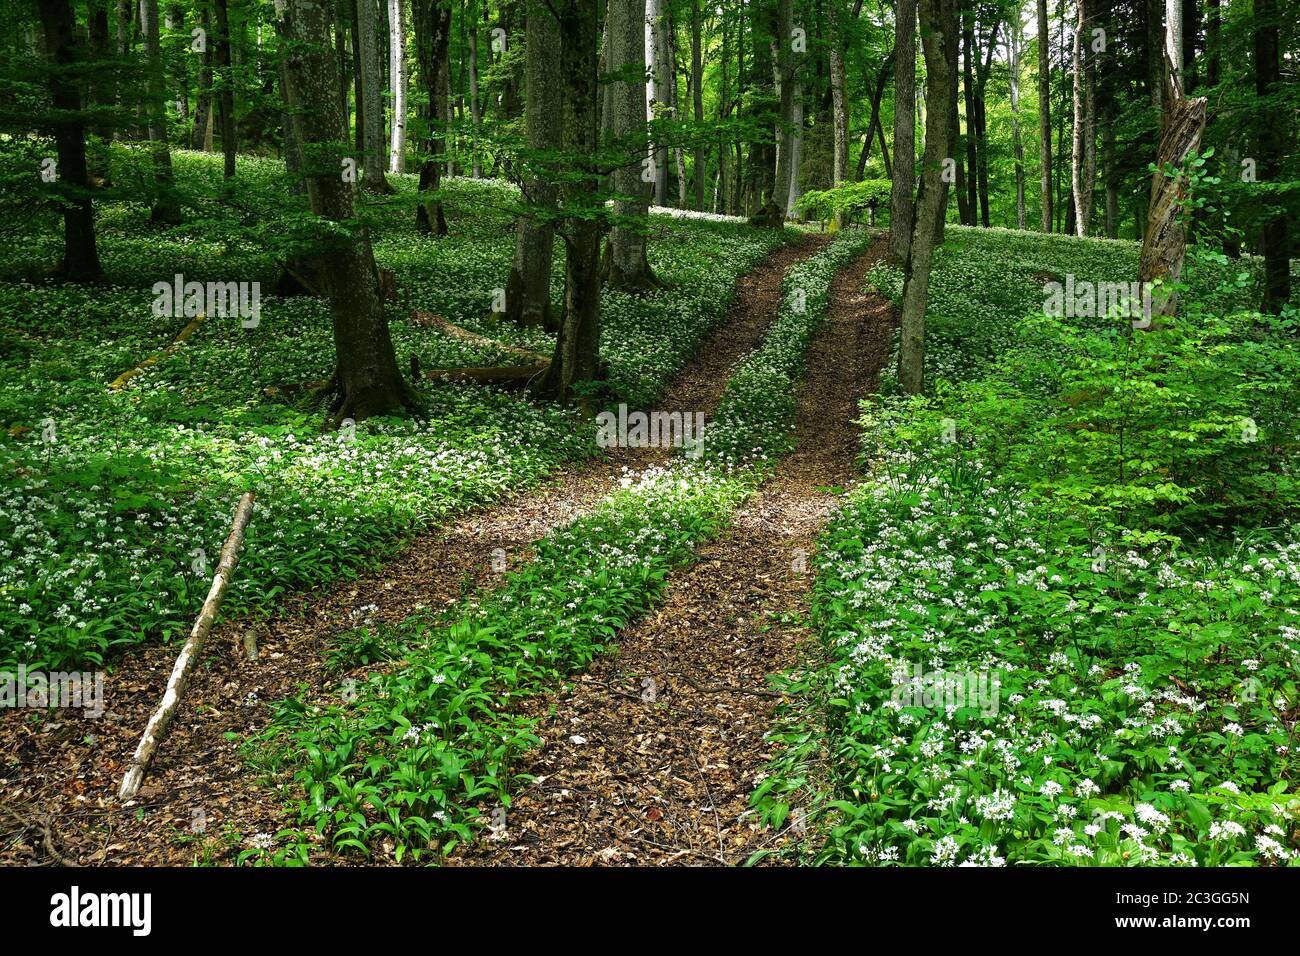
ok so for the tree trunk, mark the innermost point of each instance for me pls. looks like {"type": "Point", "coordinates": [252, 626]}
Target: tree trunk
{"type": "Point", "coordinates": [839, 110]}
{"type": "Point", "coordinates": [1084, 136]}
{"type": "Point", "coordinates": [1017, 144]}
{"type": "Point", "coordinates": [226, 95]}
{"type": "Point", "coordinates": [432, 37]}
{"type": "Point", "coordinates": [900, 198]}
{"type": "Point", "coordinates": [577, 346]}
{"type": "Point", "coordinates": [1044, 116]}
{"type": "Point", "coordinates": [783, 80]}
{"type": "Point", "coordinates": [366, 374]}
{"type": "Point", "coordinates": [655, 92]}
{"type": "Point", "coordinates": [166, 208]}
{"type": "Point", "coordinates": [63, 47]}
{"type": "Point", "coordinates": [102, 93]}
{"type": "Point", "coordinates": [968, 199]}
{"type": "Point", "coordinates": [372, 89]}
{"type": "Point", "coordinates": [1273, 140]}
{"type": "Point", "coordinates": [697, 99]}
{"type": "Point", "coordinates": [528, 290]}
{"type": "Point", "coordinates": [939, 29]}
{"type": "Point", "coordinates": [397, 70]}
{"type": "Point", "coordinates": [628, 267]}
{"type": "Point", "coordinates": [475, 108]}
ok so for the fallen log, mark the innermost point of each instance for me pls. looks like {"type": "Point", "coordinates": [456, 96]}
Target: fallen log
{"type": "Point", "coordinates": [429, 320]}
{"type": "Point", "coordinates": [501, 374]}
{"type": "Point", "coordinates": [156, 729]}
{"type": "Point", "coordinates": [120, 382]}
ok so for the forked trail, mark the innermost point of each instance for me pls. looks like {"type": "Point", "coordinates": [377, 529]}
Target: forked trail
{"type": "Point", "coordinates": [61, 799]}
{"type": "Point", "coordinates": [649, 757]}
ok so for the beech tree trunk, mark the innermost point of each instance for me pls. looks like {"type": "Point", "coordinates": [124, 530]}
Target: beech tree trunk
{"type": "Point", "coordinates": [1017, 143]}
{"type": "Point", "coordinates": [166, 208]}
{"type": "Point", "coordinates": [839, 110]}
{"type": "Point", "coordinates": [656, 91]}
{"type": "Point", "coordinates": [900, 196]}
{"type": "Point", "coordinates": [1275, 238]}
{"type": "Point", "coordinates": [63, 48]}
{"type": "Point", "coordinates": [939, 29]}
{"type": "Point", "coordinates": [528, 290]}
{"type": "Point", "coordinates": [432, 37]}
{"type": "Point", "coordinates": [366, 377]}
{"type": "Point", "coordinates": [577, 346]}
{"type": "Point", "coordinates": [226, 95]}
{"type": "Point", "coordinates": [1084, 134]}
{"type": "Point", "coordinates": [697, 98]}
{"type": "Point", "coordinates": [628, 267]}
{"type": "Point", "coordinates": [475, 107]}
{"type": "Point", "coordinates": [397, 70]}
{"type": "Point", "coordinates": [1044, 116]}
{"type": "Point", "coordinates": [372, 89]}
{"type": "Point", "coordinates": [783, 79]}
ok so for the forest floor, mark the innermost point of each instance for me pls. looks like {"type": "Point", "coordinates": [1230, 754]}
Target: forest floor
{"type": "Point", "coordinates": [658, 781]}
{"type": "Point", "coordinates": [649, 756]}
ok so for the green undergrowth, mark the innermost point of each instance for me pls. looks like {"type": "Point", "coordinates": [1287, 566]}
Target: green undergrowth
{"type": "Point", "coordinates": [115, 504]}
{"type": "Point", "coordinates": [1060, 622]}
{"type": "Point", "coordinates": [415, 757]}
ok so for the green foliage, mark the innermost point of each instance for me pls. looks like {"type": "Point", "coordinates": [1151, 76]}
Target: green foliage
{"type": "Point", "coordinates": [1064, 528]}
{"type": "Point", "coordinates": [851, 200]}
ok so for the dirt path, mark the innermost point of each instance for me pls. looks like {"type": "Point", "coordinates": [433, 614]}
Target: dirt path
{"type": "Point", "coordinates": [58, 802]}
{"type": "Point", "coordinates": [649, 757]}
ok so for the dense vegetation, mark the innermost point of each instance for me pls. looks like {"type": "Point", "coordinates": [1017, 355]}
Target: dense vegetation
{"type": "Point", "coordinates": [1053, 631]}
{"type": "Point", "coordinates": [368, 275]}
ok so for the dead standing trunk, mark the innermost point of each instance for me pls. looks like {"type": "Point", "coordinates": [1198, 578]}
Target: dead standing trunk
{"type": "Point", "coordinates": [366, 377]}
{"type": "Point", "coordinates": [1165, 244]}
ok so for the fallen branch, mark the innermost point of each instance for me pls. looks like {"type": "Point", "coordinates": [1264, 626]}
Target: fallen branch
{"type": "Point", "coordinates": [161, 720]}
{"type": "Point", "coordinates": [501, 374]}
{"type": "Point", "coordinates": [120, 382]}
{"type": "Point", "coordinates": [429, 320]}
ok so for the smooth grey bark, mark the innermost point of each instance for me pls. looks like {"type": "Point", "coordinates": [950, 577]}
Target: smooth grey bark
{"type": "Point", "coordinates": [226, 96]}
{"type": "Point", "coordinates": [783, 79]}
{"type": "Point", "coordinates": [939, 30]}
{"type": "Point", "coordinates": [528, 289]}
{"type": "Point", "coordinates": [397, 70]}
{"type": "Point", "coordinates": [576, 359]}
{"type": "Point", "coordinates": [166, 208]}
{"type": "Point", "coordinates": [1014, 40]}
{"type": "Point", "coordinates": [627, 267]}
{"type": "Point", "coordinates": [656, 91]}
{"type": "Point", "coordinates": [900, 195]}
{"type": "Point", "coordinates": [372, 89]}
{"type": "Point", "coordinates": [1083, 156]}
{"type": "Point", "coordinates": [432, 21]}
{"type": "Point", "coordinates": [366, 377]}
{"type": "Point", "coordinates": [80, 261]}
{"type": "Point", "coordinates": [697, 98]}
{"type": "Point", "coordinates": [1044, 116]}
{"type": "Point", "coordinates": [475, 107]}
